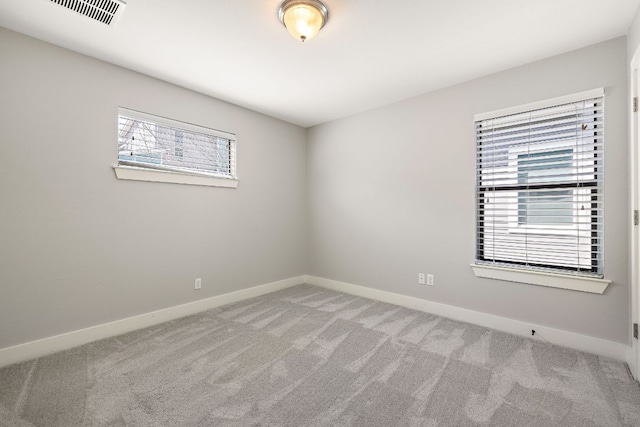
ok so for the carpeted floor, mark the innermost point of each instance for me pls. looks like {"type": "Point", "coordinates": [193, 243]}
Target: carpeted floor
{"type": "Point", "coordinates": [307, 356]}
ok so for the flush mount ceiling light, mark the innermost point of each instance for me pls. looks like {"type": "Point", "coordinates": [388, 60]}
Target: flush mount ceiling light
{"type": "Point", "coordinates": [303, 18]}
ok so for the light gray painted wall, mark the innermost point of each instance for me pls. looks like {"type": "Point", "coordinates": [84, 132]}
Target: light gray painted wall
{"type": "Point", "coordinates": [79, 247]}
{"type": "Point", "coordinates": [633, 36]}
{"type": "Point", "coordinates": [391, 194]}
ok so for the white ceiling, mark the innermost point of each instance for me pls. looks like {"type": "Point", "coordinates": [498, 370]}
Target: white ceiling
{"type": "Point", "coordinates": [370, 53]}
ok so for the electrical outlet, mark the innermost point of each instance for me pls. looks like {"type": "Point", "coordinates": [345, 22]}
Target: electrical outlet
{"type": "Point", "coordinates": [430, 279]}
{"type": "Point", "coordinates": [198, 283]}
{"type": "Point", "coordinates": [421, 279]}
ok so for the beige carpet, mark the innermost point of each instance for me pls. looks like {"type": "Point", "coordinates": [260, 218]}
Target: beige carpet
{"type": "Point", "coordinates": [307, 356]}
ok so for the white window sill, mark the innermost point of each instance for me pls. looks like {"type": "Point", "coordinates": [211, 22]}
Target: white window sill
{"type": "Point", "coordinates": [562, 281]}
{"type": "Point", "coordinates": [154, 175]}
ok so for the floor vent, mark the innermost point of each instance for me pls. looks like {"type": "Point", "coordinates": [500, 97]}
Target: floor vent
{"type": "Point", "coordinates": [106, 11]}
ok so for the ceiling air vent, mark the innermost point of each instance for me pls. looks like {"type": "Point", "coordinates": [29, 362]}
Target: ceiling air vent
{"type": "Point", "coordinates": [105, 11]}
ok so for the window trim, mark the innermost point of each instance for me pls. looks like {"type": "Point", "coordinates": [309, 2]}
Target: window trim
{"type": "Point", "coordinates": [135, 173]}
{"type": "Point", "coordinates": [530, 275]}
{"type": "Point", "coordinates": [547, 103]}
{"type": "Point", "coordinates": [592, 285]}
{"type": "Point", "coordinates": [174, 175]}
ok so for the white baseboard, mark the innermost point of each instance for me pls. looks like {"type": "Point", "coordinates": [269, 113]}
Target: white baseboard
{"type": "Point", "coordinates": [34, 349]}
{"type": "Point", "coordinates": [560, 337]}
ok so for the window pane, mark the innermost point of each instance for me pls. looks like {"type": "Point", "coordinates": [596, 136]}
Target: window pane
{"type": "Point", "coordinates": [173, 145]}
{"type": "Point", "coordinates": [551, 207]}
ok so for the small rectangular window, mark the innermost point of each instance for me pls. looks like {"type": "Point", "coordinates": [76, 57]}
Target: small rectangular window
{"type": "Point", "coordinates": [539, 188]}
{"type": "Point", "coordinates": [154, 142]}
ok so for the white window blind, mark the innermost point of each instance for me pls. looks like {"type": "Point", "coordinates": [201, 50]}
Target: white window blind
{"type": "Point", "coordinates": [539, 187]}
{"type": "Point", "coordinates": [155, 142]}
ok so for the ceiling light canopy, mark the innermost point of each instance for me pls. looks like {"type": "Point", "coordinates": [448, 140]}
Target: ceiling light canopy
{"type": "Point", "coordinates": [303, 18]}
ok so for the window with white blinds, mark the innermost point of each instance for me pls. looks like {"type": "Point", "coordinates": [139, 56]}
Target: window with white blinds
{"type": "Point", "coordinates": [539, 187]}
{"type": "Point", "coordinates": [154, 142]}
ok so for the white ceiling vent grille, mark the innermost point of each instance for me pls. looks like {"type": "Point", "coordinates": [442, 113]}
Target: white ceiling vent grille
{"type": "Point", "coordinates": [106, 11]}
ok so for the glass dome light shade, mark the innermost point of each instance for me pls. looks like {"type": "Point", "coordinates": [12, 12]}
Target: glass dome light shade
{"type": "Point", "coordinates": [303, 18]}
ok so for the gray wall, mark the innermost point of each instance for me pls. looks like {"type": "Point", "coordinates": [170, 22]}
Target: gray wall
{"type": "Point", "coordinates": [633, 36]}
{"type": "Point", "coordinates": [391, 194]}
{"type": "Point", "coordinates": [79, 247]}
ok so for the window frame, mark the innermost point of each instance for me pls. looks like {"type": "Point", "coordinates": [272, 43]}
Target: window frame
{"type": "Point", "coordinates": [542, 275]}
{"type": "Point", "coordinates": [138, 171]}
